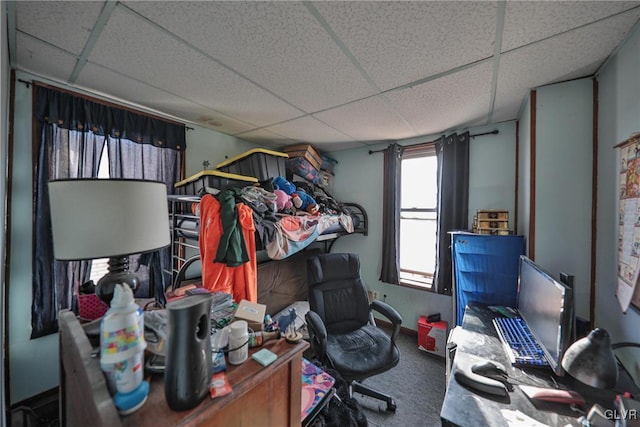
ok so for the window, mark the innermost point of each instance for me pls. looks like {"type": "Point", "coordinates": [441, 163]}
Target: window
{"type": "Point", "coordinates": [418, 218]}
{"type": "Point", "coordinates": [68, 146]}
{"type": "Point", "coordinates": [99, 267]}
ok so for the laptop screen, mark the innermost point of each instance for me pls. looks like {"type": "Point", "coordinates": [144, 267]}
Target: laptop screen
{"type": "Point", "coordinates": [546, 305]}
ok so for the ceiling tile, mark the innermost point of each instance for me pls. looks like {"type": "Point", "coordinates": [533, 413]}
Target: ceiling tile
{"type": "Point", "coordinates": [447, 102]}
{"type": "Point", "coordinates": [66, 24]}
{"type": "Point", "coordinates": [402, 42]}
{"type": "Point", "coordinates": [308, 129]}
{"type": "Point", "coordinates": [370, 119]}
{"type": "Point", "coordinates": [35, 56]}
{"type": "Point", "coordinates": [134, 47]}
{"type": "Point", "coordinates": [529, 21]}
{"type": "Point", "coordinates": [279, 45]}
{"type": "Point", "coordinates": [264, 137]}
{"type": "Point", "coordinates": [116, 85]}
{"type": "Point", "coordinates": [571, 55]}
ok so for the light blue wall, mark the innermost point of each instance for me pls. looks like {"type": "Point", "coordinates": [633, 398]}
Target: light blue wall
{"type": "Point", "coordinates": [34, 363]}
{"type": "Point", "coordinates": [204, 144]}
{"type": "Point", "coordinates": [564, 165]}
{"type": "Point", "coordinates": [618, 118]}
{"type": "Point", "coordinates": [492, 172]}
{"type": "Point", "coordinates": [359, 179]}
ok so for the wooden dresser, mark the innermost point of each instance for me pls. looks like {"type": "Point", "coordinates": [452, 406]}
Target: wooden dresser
{"type": "Point", "coordinates": [261, 395]}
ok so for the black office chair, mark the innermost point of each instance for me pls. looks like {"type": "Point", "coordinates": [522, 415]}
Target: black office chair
{"type": "Point", "coordinates": [341, 325]}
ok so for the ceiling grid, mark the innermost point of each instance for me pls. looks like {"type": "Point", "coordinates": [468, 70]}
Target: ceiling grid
{"type": "Point", "coordinates": [334, 74]}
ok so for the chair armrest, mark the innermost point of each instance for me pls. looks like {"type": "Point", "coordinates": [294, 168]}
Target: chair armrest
{"type": "Point", "coordinates": [390, 313]}
{"type": "Point", "coordinates": [317, 334]}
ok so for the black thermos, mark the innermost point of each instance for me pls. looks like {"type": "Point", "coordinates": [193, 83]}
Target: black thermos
{"type": "Point", "coordinates": [188, 362]}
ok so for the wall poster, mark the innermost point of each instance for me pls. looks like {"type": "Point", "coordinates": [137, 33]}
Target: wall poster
{"type": "Point", "coordinates": [627, 290]}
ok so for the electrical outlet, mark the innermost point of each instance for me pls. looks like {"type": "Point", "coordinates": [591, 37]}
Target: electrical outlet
{"type": "Point", "coordinates": [375, 294]}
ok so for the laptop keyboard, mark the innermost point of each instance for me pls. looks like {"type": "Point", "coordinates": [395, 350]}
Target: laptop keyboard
{"type": "Point", "coordinates": [518, 342]}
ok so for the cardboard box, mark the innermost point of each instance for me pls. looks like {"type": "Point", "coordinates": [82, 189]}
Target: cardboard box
{"type": "Point", "coordinates": [432, 337]}
{"type": "Point", "coordinates": [307, 152]}
{"type": "Point", "coordinates": [252, 312]}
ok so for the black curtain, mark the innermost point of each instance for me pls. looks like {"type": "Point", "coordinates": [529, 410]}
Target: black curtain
{"type": "Point", "coordinates": [61, 153]}
{"type": "Point", "coordinates": [390, 271]}
{"type": "Point", "coordinates": [453, 202]}
{"type": "Point", "coordinates": [71, 133]}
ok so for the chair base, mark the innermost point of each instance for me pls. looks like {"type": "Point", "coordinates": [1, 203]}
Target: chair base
{"type": "Point", "coordinates": [358, 387]}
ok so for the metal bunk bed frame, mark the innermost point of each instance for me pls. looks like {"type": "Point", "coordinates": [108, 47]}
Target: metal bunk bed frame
{"type": "Point", "coordinates": [185, 238]}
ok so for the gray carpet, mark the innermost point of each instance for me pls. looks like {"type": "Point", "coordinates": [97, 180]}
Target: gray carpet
{"type": "Point", "coordinates": [417, 384]}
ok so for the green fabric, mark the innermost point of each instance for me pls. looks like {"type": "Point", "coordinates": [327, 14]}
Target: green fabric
{"type": "Point", "coordinates": [231, 249]}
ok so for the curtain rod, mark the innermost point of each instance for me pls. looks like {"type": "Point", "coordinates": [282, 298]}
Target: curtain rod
{"type": "Point", "coordinates": [493, 132]}
{"type": "Point", "coordinates": [103, 101]}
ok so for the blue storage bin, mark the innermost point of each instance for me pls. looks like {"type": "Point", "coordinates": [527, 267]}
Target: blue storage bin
{"type": "Point", "coordinates": [485, 269]}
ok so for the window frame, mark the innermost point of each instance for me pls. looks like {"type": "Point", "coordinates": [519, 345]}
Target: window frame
{"type": "Point", "coordinates": [412, 152]}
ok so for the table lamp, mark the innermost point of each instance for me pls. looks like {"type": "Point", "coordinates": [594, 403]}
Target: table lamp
{"type": "Point", "coordinates": [108, 218]}
{"type": "Point", "coordinates": [591, 361]}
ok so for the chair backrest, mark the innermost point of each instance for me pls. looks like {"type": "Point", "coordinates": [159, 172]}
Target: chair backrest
{"type": "Point", "coordinates": [337, 293]}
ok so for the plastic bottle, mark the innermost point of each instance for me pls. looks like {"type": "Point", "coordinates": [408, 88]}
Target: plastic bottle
{"type": "Point", "coordinates": [122, 350]}
{"type": "Point", "coordinates": [256, 339]}
{"type": "Point", "coordinates": [238, 342]}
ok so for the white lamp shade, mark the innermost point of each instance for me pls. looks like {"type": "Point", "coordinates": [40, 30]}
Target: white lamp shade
{"type": "Point", "coordinates": [102, 218]}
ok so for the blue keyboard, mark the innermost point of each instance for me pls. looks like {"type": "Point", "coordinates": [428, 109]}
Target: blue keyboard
{"type": "Point", "coordinates": [520, 345]}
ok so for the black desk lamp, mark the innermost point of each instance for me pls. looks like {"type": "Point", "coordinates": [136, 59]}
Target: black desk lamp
{"type": "Point", "coordinates": [591, 361]}
{"type": "Point", "coordinates": [108, 218]}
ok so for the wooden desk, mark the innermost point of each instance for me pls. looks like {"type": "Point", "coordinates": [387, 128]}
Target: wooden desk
{"type": "Point", "coordinates": [261, 396]}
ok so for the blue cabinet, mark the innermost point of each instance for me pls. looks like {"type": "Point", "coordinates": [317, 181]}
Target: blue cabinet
{"type": "Point", "coordinates": [485, 269]}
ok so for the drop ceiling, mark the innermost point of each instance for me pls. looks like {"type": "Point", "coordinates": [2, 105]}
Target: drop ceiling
{"type": "Point", "coordinates": [334, 74]}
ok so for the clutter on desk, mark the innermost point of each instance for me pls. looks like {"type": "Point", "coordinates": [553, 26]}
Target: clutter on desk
{"type": "Point", "coordinates": [548, 394]}
{"type": "Point", "coordinates": [188, 357]}
{"type": "Point", "coordinates": [252, 312]}
{"type": "Point", "coordinates": [219, 385]}
{"type": "Point", "coordinates": [301, 308]}
{"type": "Point", "coordinates": [219, 341]}
{"type": "Point", "coordinates": [264, 357]}
{"type": "Point", "coordinates": [223, 308]}
{"type": "Point", "coordinates": [286, 322]}
{"type": "Point", "coordinates": [122, 347]}
{"type": "Point", "coordinates": [256, 339]}
{"type": "Point", "coordinates": [155, 330]}
{"type": "Point", "coordinates": [238, 342]}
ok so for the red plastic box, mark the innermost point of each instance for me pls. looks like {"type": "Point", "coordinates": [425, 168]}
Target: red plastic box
{"type": "Point", "coordinates": [432, 337]}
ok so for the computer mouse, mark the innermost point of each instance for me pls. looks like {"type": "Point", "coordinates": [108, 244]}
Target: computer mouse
{"type": "Point", "coordinates": [489, 368]}
{"type": "Point", "coordinates": [482, 383]}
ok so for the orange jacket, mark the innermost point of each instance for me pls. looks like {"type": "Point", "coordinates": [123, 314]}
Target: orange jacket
{"type": "Point", "coordinates": [240, 281]}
